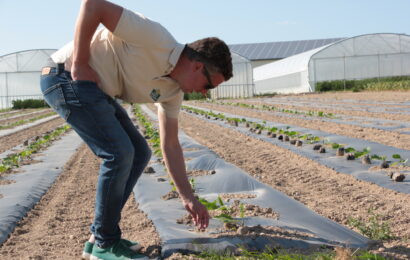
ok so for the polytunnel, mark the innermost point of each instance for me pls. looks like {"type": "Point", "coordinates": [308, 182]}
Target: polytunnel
{"type": "Point", "coordinates": [19, 75]}
{"type": "Point", "coordinates": [361, 57]}
{"type": "Point", "coordinates": [241, 84]}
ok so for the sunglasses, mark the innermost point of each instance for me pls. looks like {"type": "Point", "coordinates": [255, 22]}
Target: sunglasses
{"type": "Point", "coordinates": [208, 78]}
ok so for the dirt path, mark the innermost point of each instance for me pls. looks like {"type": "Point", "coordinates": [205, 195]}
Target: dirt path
{"type": "Point", "coordinates": [370, 134]}
{"type": "Point", "coordinates": [12, 140]}
{"type": "Point", "coordinates": [58, 225]}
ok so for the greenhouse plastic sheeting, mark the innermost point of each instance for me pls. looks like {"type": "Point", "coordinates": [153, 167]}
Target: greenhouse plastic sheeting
{"type": "Point", "coordinates": [230, 179]}
{"type": "Point", "coordinates": [329, 159]}
{"type": "Point", "coordinates": [33, 182]}
{"type": "Point", "coordinates": [365, 56]}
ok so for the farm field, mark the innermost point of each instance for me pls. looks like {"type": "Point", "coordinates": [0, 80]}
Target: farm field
{"type": "Point", "coordinates": [58, 225]}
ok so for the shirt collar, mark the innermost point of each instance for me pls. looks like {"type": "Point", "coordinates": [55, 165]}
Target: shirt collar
{"type": "Point", "coordinates": [175, 54]}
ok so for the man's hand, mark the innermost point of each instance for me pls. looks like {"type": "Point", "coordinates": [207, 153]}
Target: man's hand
{"type": "Point", "coordinates": [198, 212]}
{"type": "Point", "coordinates": [84, 72]}
{"type": "Point", "coordinates": [174, 160]}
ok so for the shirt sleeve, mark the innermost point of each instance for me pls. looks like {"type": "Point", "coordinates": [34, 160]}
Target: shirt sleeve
{"type": "Point", "coordinates": [171, 107]}
{"type": "Point", "coordinates": [137, 29]}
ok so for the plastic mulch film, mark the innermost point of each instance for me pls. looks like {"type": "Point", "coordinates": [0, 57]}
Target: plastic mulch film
{"type": "Point", "coordinates": [228, 179]}
{"type": "Point", "coordinates": [33, 182]}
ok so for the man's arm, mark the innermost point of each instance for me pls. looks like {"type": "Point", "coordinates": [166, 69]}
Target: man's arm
{"type": "Point", "coordinates": [174, 160]}
{"type": "Point", "coordinates": [92, 13]}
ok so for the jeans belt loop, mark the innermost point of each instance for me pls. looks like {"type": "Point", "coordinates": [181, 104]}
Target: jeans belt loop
{"type": "Point", "coordinates": [60, 68]}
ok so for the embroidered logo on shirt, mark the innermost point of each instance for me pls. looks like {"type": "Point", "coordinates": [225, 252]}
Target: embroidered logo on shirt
{"type": "Point", "coordinates": [155, 94]}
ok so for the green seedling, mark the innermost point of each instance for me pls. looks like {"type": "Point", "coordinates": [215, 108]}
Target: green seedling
{"type": "Point", "coordinates": [193, 184]}
{"type": "Point", "coordinates": [365, 151]}
{"type": "Point", "coordinates": [336, 146]}
{"type": "Point", "coordinates": [350, 150]}
{"type": "Point", "coordinates": [209, 205]}
{"type": "Point", "coordinates": [225, 218]}
{"type": "Point", "coordinates": [401, 160]}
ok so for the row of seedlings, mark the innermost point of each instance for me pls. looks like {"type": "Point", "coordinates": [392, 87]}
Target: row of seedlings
{"type": "Point", "coordinates": [273, 109]}
{"type": "Point", "coordinates": [319, 144]}
{"type": "Point", "coordinates": [25, 121]}
{"type": "Point", "coordinates": [39, 143]}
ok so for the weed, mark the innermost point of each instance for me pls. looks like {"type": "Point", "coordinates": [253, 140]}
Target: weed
{"type": "Point", "coordinates": [374, 228]}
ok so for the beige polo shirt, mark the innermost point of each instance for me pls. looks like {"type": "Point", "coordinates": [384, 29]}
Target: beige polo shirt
{"type": "Point", "coordinates": [133, 61]}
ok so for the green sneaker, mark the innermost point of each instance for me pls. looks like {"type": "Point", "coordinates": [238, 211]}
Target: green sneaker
{"type": "Point", "coordinates": [88, 248]}
{"type": "Point", "coordinates": [117, 251]}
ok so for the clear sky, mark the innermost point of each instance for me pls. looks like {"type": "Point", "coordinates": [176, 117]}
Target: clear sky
{"type": "Point", "coordinates": [32, 24]}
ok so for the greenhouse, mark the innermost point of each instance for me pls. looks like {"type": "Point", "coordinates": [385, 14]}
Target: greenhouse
{"type": "Point", "coordinates": [241, 84]}
{"type": "Point", "coordinates": [361, 57]}
{"type": "Point", "coordinates": [19, 75]}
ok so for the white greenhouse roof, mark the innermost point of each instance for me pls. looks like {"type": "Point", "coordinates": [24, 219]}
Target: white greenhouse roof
{"type": "Point", "coordinates": [362, 45]}
{"type": "Point", "coordinates": [24, 61]}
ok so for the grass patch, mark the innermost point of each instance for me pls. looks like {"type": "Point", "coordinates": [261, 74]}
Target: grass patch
{"type": "Point", "coordinates": [29, 103]}
{"type": "Point", "coordinates": [373, 84]}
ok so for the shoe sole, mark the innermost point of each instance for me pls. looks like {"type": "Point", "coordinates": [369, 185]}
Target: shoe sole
{"type": "Point", "coordinates": [86, 256]}
{"type": "Point", "coordinates": [139, 258]}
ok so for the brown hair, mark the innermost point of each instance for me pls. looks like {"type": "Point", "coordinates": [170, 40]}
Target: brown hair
{"type": "Point", "coordinates": [213, 52]}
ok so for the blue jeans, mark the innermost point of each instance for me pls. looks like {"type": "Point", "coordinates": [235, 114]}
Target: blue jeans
{"type": "Point", "coordinates": [105, 126]}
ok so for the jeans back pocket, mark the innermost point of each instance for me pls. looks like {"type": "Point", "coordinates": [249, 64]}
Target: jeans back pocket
{"type": "Point", "coordinates": [54, 96]}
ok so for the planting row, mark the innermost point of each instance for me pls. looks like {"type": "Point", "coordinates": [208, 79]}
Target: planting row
{"type": "Point", "coordinates": [389, 138]}
{"type": "Point", "coordinates": [16, 112]}
{"type": "Point", "coordinates": [234, 199]}
{"type": "Point", "coordinates": [14, 160]}
{"type": "Point", "coordinates": [325, 148]}
{"type": "Point", "coordinates": [29, 173]}
{"type": "Point", "coordinates": [376, 123]}
{"type": "Point", "coordinates": [29, 119]}
{"type": "Point", "coordinates": [374, 109]}
{"type": "Point", "coordinates": [22, 115]}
